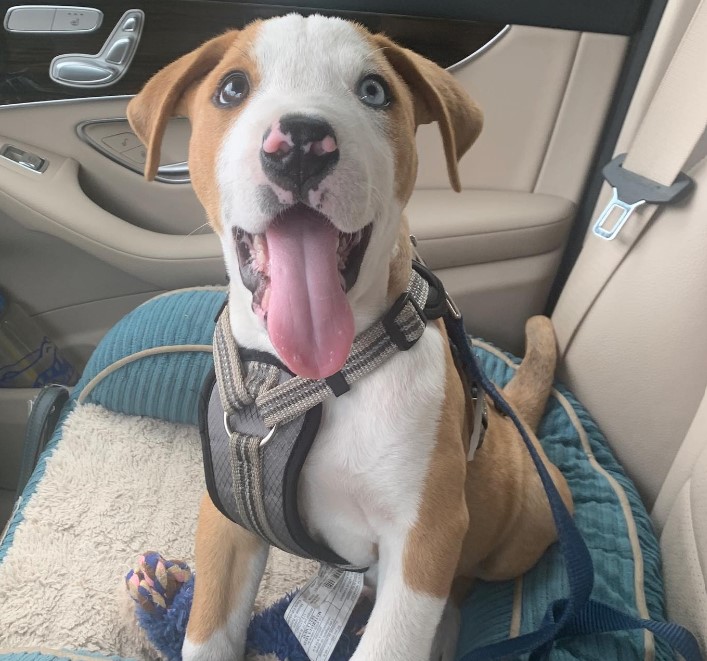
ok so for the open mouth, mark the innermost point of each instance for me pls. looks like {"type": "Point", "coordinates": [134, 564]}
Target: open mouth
{"type": "Point", "coordinates": [298, 272]}
{"type": "Point", "coordinates": [254, 257]}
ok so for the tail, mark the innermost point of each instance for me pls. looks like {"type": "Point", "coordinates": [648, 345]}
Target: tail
{"type": "Point", "coordinates": [530, 387]}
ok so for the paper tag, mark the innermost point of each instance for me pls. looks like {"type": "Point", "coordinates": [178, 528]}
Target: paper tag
{"type": "Point", "coordinates": [320, 610]}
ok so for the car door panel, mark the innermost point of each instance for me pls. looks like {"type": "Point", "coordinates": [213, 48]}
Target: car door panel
{"type": "Point", "coordinates": [581, 115]}
{"type": "Point", "coordinates": [174, 27]}
{"type": "Point", "coordinates": [533, 86]}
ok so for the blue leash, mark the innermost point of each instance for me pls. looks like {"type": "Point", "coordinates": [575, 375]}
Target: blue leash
{"type": "Point", "coordinates": [576, 614]}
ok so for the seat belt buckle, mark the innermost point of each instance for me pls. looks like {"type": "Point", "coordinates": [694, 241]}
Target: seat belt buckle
{"type": "Point", "coordinates": [630, 191]}
{"type": "Point", "coordinates": [609, 231]}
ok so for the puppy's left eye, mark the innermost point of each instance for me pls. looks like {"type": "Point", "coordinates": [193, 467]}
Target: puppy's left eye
{"type": "Point", "coordinates": [373, 91]}
{"type": "Point", "coordinates": [232, 90]}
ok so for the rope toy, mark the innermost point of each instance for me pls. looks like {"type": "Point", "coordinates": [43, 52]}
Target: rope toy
{"type": "Point", "coordinates": [154, 582]}
{"type": "Point", "coordinates": [163, 590]}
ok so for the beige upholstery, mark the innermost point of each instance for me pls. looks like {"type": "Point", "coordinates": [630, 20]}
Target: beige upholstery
{"type": "Point", "coordinates": [680, 515]}
{"type": "Point", "coordinates": [639, 360]}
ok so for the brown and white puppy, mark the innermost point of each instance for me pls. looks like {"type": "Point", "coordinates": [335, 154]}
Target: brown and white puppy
{"type": "Point", "coordinates": [303, 156]}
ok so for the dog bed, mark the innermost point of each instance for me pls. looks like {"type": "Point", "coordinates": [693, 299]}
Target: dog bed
{"type": "Point", "coordinates": [122, 475]}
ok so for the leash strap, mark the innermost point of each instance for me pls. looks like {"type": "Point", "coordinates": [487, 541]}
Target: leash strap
{"type": "Point", "coordinates": [648, 178]}
{"type": "Point", "coordinates": [576, 614]}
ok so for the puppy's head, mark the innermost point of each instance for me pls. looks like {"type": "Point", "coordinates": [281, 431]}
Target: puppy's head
{"type": "Point", "coordinates": [303, 156]}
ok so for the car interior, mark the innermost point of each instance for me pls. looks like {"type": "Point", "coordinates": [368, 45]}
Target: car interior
{"type": "Point", "coordinates": [565, 87]}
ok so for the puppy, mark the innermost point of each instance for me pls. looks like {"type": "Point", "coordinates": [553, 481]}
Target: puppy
{"type": "Point", "coordinates": [303, 156]}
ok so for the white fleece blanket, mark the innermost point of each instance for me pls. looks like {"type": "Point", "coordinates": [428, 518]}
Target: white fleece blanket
{"type": "Point", "coordinates": [115, 487]}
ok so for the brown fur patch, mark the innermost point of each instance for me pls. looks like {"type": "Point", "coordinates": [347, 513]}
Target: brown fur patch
{"type": "Point", "coordinates": [510, 523]}
{"type": "Point", "coordinates": [187, 86]}
{"type": "Point", "coordinates": [434, 543]}
{"type": "Point", "coordinates": [530, 387]}
{"type": "Point", "coordinates": [401, 124]}
{"type": "Point", "coordinates": [400, 264]}
{"type": "Point", "coordinates": [424, 93]}
{"type": "Point", "coordinates": [210, 124]}
{"type": "Point", "coordinates": [223, 555]}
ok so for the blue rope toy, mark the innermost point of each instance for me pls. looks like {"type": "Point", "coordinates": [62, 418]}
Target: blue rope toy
{"type": "Point", "coordinates": [163, 591]}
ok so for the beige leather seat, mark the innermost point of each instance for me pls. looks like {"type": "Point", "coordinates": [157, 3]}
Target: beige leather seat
{"type": "Point", "coordinates": [638, 361]}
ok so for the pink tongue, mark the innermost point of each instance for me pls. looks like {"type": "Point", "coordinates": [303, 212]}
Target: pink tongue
{"type": "Point", "coordinates": [310, 322]}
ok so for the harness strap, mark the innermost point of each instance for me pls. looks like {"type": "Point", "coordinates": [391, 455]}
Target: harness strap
{"type": "Point", "coordinates": [263, 466]}
{"type": "Point", "coordinates": [246, 471]}
{"type": "Point", "coordinates": [231, 461]}
{"type": "Point", "coordinates": [238, 390]}
{"type": "Point", "coordinates": [397, 331]}
{"type": "Point", "coordinates": [239, 387]}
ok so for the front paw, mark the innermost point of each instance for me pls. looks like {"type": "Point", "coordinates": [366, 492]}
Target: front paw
{"type": "Point", "coordinates": [444, 646]}
{"type": "Point", "coordinates": [217, 647]}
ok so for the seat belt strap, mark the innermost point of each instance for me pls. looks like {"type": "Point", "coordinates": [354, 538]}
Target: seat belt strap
{"type": "Point", "coordinates": [646, 178]}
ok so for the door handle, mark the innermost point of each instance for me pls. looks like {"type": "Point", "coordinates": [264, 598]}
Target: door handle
{"type": "Point", "coordinates": [109, 64]}
{"type": "Point", "coordinates": [115, 139]}
{"type": "Point", "coordinates": [174, 172]}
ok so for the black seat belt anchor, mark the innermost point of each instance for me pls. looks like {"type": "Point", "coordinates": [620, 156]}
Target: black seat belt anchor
{"type": "Point", "coordinates": [632, 190]}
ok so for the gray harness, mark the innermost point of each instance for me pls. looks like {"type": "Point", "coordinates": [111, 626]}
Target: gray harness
{"type": "Point", "coordinates": [258, 421]}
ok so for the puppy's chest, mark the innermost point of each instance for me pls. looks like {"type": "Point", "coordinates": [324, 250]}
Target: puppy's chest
{"type": "Point", "coordinates": [366, 470]}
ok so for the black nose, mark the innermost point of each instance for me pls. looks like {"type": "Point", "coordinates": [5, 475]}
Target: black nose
{"type": "Point", "coordinates": [298, 152]}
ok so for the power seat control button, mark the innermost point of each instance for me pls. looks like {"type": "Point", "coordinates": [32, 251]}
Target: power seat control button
{"type": "Point", "coordinates": [118, 51]}
{"type": "Point", "coordinates": [76, 19]}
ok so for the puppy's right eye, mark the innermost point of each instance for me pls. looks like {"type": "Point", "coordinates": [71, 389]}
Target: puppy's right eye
{"type": "Point", "coordinates": [232, 90]}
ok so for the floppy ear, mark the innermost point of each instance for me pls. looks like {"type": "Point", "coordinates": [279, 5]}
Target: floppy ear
{"type": "Point", "coordinates": [164, 95]}
{"type": "Point", "coordinates": [438, 97]}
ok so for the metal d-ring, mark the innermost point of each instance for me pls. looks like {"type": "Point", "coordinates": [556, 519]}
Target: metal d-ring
{"type": "Point", "coordinates": [230, 432]}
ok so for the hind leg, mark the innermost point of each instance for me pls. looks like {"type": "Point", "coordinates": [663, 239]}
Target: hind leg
{"type": "Point", "coordinates": [534, 529]}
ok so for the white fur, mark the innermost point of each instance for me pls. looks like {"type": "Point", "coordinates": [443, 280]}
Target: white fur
{"type": "Point", "coordinates": [403, 623]}
{"type": "Point", "coordinates": [361, 485]}
{"type": "Point", "coordinates": [360, 490]}
{"type": "Point", "coordinates": [363, 476]}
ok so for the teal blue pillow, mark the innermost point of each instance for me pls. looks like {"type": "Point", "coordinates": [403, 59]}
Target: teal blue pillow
{"type": "Point", "coordinates": [154, 361]}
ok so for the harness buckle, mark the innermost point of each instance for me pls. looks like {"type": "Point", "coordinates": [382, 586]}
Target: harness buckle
{"type": "Point", "coordinates": [396, 335]}
{"type": "Point", "coordinates": [446, 303]}
{"type": "Point", "coordinates": [230, 432]}
{"type": "Point", "coordinates": [630, 191]}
